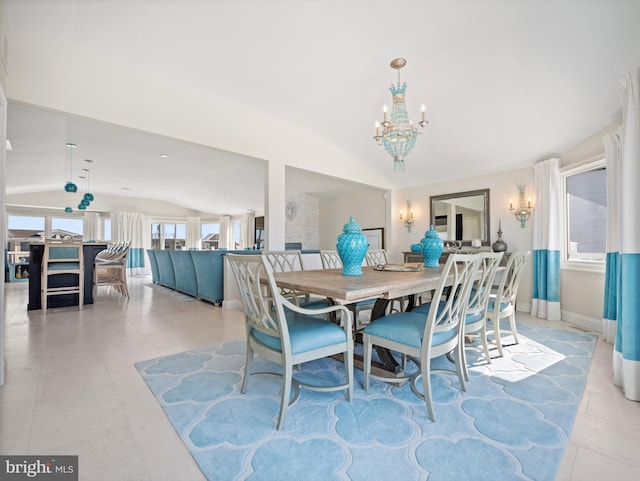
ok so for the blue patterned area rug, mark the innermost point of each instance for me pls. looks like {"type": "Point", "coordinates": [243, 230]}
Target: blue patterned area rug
{"type": "Point", "coordinates": [512, 423]}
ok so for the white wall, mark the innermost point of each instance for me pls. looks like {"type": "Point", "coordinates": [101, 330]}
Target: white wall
{"type": "Point", "coordinates": [369, 207]}
{"type": "Point", "coordinates": [502, 187]}
{"type": "Point", "coordinates": [582, 293]}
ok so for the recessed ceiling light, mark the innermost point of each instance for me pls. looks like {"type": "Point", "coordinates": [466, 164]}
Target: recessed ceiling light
{"type": "Point", "coordinates": [9, 147]}
{"type": "Point", "coordinates": [125, 188]}
{"type": "Point", "coordinates": [164, 156]}
{"type": "Point", "coordinates": [138, 178]}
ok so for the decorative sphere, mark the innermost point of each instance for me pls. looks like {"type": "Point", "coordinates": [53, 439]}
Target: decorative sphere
{"type": "Point", "coordinates": [82, 207]}
{"type": "Point", "coordinates": [68, 210]}
{"type": "Point", "coordinates": [70, 187]}
{"type": "Point", "coordinates": [88, 196]}
{"type": "Point", "coordinates": [85, 202]}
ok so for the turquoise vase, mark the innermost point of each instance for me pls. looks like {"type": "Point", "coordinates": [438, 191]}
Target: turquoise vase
{"type": "Point", "coordinates": [352, 247]}
{"type": "Point", "coordinates": [432, 247]}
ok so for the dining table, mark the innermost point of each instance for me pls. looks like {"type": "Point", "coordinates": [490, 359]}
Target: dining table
{"type": "Point", "coordinates": [374, 283]}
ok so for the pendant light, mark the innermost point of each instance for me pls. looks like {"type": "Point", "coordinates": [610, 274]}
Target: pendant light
{"type": "Point", "coordinates": [70, 186]}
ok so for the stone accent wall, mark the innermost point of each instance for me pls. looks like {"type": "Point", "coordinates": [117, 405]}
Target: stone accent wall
{"type": "Point", "coordinates": [302, 214]}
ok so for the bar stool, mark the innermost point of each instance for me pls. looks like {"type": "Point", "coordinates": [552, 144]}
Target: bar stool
{"type": "Point", "coordinates": [61, 257]}
{"type": "Point", "coordinates": [110, 268]}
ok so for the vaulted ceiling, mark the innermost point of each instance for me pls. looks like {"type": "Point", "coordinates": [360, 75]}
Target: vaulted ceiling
{"type": "Point", "coordinates": [504, 83]}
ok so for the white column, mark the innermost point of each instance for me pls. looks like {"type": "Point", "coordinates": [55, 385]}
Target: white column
{"type": "Point", "coordinates": [3, 219]}
{"type": "Point", "coordinates": [274, 205]}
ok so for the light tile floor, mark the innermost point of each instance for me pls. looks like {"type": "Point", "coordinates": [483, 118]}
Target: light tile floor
{"type": "Point", "coordinates": [72, 388]}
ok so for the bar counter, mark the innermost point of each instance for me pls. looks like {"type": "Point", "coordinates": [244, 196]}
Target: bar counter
{"type": "Point", "coordinates": [36, 251]}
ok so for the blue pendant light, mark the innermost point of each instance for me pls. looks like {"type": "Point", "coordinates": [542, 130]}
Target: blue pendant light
{"type": "Point", "coordinates": [70, 186]}
{"type": "Point", "coordinates": [88, 196]}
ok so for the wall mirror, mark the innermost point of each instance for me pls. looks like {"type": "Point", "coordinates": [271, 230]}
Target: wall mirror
{"type": "Point", "coordinates": [462, 216]}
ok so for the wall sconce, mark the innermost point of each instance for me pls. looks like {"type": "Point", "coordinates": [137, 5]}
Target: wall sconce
{"type": "Point", "coordinates": [408, 222]}
{"type": "Point", "coordinates": [523, 210]}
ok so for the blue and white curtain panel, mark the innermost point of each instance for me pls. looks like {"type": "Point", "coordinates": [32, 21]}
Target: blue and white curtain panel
{"type": "Point", "coordinates": [128, 227]}
{"type": "Point", "coordinates": [622, 283]}
{"type": "Point", "coordinates": [547, 235]}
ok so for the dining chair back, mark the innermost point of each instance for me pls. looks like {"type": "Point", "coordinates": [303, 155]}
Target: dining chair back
{"type": "Point", "coordinates": [502, 303]}
{"type": "Point", "coordinates": [61, 258]}
{"type": "Point", "coordinates": [476, 317]}
{"type": "Point", "coordinates": [331, 260]}
{"type": "Point", "coordinates": [375, 257]}
{"type": "Point", "coordinates": [421, 337]}
{"type": "Point", "coordinates": [291, 261]}
{"type": "Point", "coordinates": [284, 333]}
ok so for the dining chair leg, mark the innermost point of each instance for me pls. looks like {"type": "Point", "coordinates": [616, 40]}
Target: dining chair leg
{"type": "Point", "coordinates": [247, 368]}
{"type": "Point", "coordinates": [287, 375]}
{"type": "Point", "coordinates": [348, 365]}
{"type": "Point", "coordinates": [512, 324]}
{"type": "Point", "coordinates": [485, 344]}
{"type": "Point", "coordinates": [366, 361]}
{"type": "Point", "coordinates": [426, 388]}
{"type": "Point", "coordinates": [465, 370]}
{"type": "Point", "coordinates": [461, 371]}
{"type": "Point", "coordinates": [496, 335]}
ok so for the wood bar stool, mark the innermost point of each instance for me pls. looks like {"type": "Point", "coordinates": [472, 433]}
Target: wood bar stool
{"type": "Point", "coordinates": [60, 259]}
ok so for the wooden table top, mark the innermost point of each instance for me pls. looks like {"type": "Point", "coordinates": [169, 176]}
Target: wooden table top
{"type": "Point", "coordinates": [372, 283]}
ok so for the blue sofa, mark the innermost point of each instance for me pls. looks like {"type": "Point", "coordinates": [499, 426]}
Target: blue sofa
{"type": "Point", "coordinates": [196, 273]}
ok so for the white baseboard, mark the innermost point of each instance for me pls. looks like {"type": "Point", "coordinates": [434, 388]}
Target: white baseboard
{"type": "Point", "coordinates": [522, 307]}
{"type": "Point", "coordinates": [584, 322]}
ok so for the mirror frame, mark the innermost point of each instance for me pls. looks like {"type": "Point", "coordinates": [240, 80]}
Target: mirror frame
{"type": "Point", "coordinates": [486, 241]}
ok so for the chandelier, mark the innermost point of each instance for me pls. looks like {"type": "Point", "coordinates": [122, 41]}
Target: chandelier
{"type": "Point", "coordinates": [398, 136]}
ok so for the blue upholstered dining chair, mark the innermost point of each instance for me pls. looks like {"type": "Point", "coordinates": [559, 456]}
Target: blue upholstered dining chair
{"type": "Point", "coordinates": [285, 333]}
{"type": "Point", "coordinates": [502, 303]}
{"type": "Point", "coordinates": [476, 316]}
{"type": "Point", "coordinates": [374, 257]}
{"type": "Point", "coordinates": [423, 336]}
{"type": "Point", "coordinates": [331, 260]}
{"type": "Point", "coordinates": [290, 261]}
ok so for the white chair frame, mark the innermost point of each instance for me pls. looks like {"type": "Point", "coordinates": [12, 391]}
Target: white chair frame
{"type": "Point", "coordinates": [53, 265]}
{"type": "Point", "coordinates": [478, 303]}
{"type": "Point", "coordinates": [331, 260]}
{"type": "Point", "coordinates": [458, 273]}
{"type": "Point", "coordinates": [264, 311]}
{"type": "Point", "coordinates": [505, 295]}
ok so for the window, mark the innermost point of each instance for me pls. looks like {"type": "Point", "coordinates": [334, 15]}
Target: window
{"type": "Point", "coordinates": [22, 230]}
{"type": "Point", "coordinates": [585, 209]}
{"type": "Point", "coordinates": [66, 227]}
{"type": "Point", "coordinates": [237, 236]}
{"type": "Point", "coordinates": [168, 235]}
{"type": "Point", "coordinates": [210, 235]}
{"type": "Point", "coordinates": [107, 229]}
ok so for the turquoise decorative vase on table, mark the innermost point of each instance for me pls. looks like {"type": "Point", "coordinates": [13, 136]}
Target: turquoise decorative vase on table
{"type": "Point", "coordinates": [352, 247]}
{"type": "Point", "coordinates": [432, 246]}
